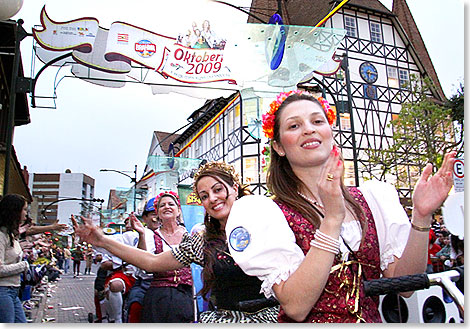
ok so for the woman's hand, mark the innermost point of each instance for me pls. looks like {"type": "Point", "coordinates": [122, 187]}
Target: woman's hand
{"type": "Point", "coordinates": [59, 227]}
{"type": "Point", "coordinates": [431, 191]}
{"type": "Point", "coordinates": [88, 232]}
{"type": "Point", "coordinates": [136, 224]}
{"type": "Point", "coordinates": [329, 187]}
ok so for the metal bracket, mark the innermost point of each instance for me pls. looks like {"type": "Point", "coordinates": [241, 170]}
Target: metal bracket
{"type": "Point", "coordinates": [24, 85]}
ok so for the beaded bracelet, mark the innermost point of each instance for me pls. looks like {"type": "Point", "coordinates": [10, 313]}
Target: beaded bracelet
{"type": "Point", "coordinates": [319, 235]}
{"type": "Point", "coordinates": [318, 245]}
{"type": "Point", "coordinates": [325, 242]}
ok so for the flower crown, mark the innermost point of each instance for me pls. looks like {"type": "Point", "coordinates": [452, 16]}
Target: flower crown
{"type": "Point", "coordinates": [268, 118]}
{"type": "Point", "coordinates": [166, 193]}
{"type": "Point", "coordinates": [228, 168]}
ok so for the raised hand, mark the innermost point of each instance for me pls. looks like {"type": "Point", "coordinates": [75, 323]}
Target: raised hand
{"type": "Point", "coordinates": [431, 190]}
{"type": "Point", "coordinates": [329, 186]}
{"type": "Point", "coordinates": [59, 227]}
{"type": "Point", "coordinates": [136, 224]}
{"type": "Point", "coordinates": [89, 232]}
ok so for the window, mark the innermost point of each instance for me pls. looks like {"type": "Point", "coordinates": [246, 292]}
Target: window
{"type": "Point", "coordinates": [345, 121]}
{"type": "Point", "coordinates": [250, 170]}
{"type": "Point", "coordinates": [375, 32]}
{"type": "Point", "coordinates": [350, 26]}
{"type": "Point", "coordinates": [212, 136]}
{"type": "Point", "coordinates": [404, 79]}
{"type": "Point", "coordinates": [392, 77]}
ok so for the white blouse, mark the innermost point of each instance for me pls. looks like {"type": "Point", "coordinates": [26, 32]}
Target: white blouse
{"type": "Point", "coordinates": [262, 244]}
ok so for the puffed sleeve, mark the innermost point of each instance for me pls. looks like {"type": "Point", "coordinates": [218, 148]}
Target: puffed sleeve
{"type": "Point", "coordinates": [190, 250]}
{"type": "Point", "coordinates": [391, 220]}
{"type": "Point", "coordinates": [261, 242]}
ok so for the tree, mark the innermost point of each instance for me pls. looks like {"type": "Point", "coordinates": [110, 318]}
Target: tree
{"type": "Point", "coordinates": [456, 103]}
{"type": "Point", "coordinates": [422, 132]}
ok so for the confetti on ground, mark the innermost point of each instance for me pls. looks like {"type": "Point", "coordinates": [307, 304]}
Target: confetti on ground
{"type": "Point", "coordinates": [71, 308]}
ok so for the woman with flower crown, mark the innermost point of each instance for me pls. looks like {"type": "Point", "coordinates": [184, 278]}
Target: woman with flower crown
{"type": "Point", "coordinates": [236, 295]}
{"type": "Point", "coordinates": [317, 241]}
{"type": "Point", "coordinates": [170, 295]}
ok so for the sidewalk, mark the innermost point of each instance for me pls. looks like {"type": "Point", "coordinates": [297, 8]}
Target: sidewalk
{"type": "Point", "coordinates": [68, 300]}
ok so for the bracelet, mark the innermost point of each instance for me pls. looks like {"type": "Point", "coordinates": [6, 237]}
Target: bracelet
{"type": "Point", "coordinates": [324, 247]}
{"type": "Point", "coordinates": [420, 228]}
{"type": "Point", "coordinates": [325, 238]}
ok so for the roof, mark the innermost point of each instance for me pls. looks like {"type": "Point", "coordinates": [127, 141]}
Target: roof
{"type": "Point", "coordinates": [309, 13]}
{"type": "Point", "coordinates": [203, 115]}
{"type": "Point", "coordinates": [165, 139]}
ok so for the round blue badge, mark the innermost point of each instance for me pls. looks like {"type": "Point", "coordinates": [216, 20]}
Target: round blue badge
{"type": "Point", "coordinates": [239, 238]}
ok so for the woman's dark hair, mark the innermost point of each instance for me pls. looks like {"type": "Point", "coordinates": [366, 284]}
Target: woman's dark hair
{"type": "Point", "coordinates": [284, 184]}
{"type": "Point", "coordinates": [11, 206]}
{"type": "Point", "coordinates": [458, 247]}
{"type": "Point", "coordinates": [214, 237]}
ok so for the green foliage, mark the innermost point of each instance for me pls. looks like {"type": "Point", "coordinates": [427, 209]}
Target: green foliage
{"type": "Point", "coordinates": [422, 133]}
{"type": "Point", "coordinates": [456, 103]}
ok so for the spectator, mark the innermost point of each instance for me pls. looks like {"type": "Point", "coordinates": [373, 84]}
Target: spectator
{"type": "Point", "coordinates": [89, 254]}
{"type": "Point", "coordinates": [433, 249]}
{"type": "Point", "coordinates": [59, 254]}
{"type": "Point", "coordinates": [67, 259]}
{"type": "Point", "coordinates": [444, 253]}
{"type": "Point", "coordinates": [13, 210]}
{"type": "Point", "coordinates": [77, 256]}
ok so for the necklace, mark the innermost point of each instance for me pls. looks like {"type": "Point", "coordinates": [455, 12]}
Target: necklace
{"type": "Point", "coordinates": [169, 234]}
{"type": "Point", "coordinates": [315, 203]}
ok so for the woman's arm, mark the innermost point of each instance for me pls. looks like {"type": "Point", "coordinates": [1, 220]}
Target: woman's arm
{"type": "Point", "coordinates": [140, 258]}
{"type": "Point", "coordinates": [299, 293]}
{"type": "Point", "coordinates": [41, 229]}
{"type": "Point", "coordinates": [429, 194]}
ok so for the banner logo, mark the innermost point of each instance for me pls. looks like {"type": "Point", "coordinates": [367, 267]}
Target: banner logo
{"type": "Point", "coordinates": [145, 48]}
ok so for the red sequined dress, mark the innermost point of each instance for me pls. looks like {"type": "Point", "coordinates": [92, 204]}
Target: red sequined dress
{"type": "Point", "coordinates": [342, 300]}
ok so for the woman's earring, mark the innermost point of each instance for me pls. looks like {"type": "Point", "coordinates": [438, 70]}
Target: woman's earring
{"type": "Point", "coordinates": [281, 154]}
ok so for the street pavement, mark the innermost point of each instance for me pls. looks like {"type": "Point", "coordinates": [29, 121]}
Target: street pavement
{"type": "Point", "coordinates": [68, 300]}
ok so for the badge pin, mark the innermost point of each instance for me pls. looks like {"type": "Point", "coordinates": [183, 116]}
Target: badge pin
{"type": "Point", "coordinates": [239, 238]}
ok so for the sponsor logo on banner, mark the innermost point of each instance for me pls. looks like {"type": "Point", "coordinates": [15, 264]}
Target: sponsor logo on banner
{"type": "Point", "coordinates": [145, 48]}
{"type": "Point", "coordinates": [123, 37]}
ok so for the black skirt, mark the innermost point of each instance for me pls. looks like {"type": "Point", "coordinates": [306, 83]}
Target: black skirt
{"type": "Point", "coordinates": [168, 305]}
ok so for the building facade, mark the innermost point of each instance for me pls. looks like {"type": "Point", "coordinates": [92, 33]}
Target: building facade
{"type": "Point", "coordinates": [381, 52]}
{"type": "Point", "coordinates": [49, 188]}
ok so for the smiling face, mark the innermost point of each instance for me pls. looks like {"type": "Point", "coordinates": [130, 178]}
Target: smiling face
{"type": "Point", "coordinates": [216, 196]}
{"type": "Point", "coordinates": [168, 209]}
{"type": "Point", "coordinates": [305, 137]}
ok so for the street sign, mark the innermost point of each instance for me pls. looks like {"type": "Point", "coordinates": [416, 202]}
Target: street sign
{"type": "Point", "coordinates": [459, 182]}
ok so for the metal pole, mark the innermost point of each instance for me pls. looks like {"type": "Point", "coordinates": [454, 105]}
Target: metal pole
{"type": "Point", "coordinates": [135, 187]}
{"type": "Point", "coordinates": [11, 108]}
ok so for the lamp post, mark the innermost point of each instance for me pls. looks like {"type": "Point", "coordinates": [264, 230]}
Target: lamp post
{"type": "Point", "coordinates": [133, 180]}
{"type": "Point", "coordinates": [43, 211]}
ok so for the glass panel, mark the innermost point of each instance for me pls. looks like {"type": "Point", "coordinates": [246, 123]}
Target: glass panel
{"type": "Point", "coordinates": [254, 49]}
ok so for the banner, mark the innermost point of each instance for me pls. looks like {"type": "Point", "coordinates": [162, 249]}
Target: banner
{"type": "Point", "coordinates": [198, 57]}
